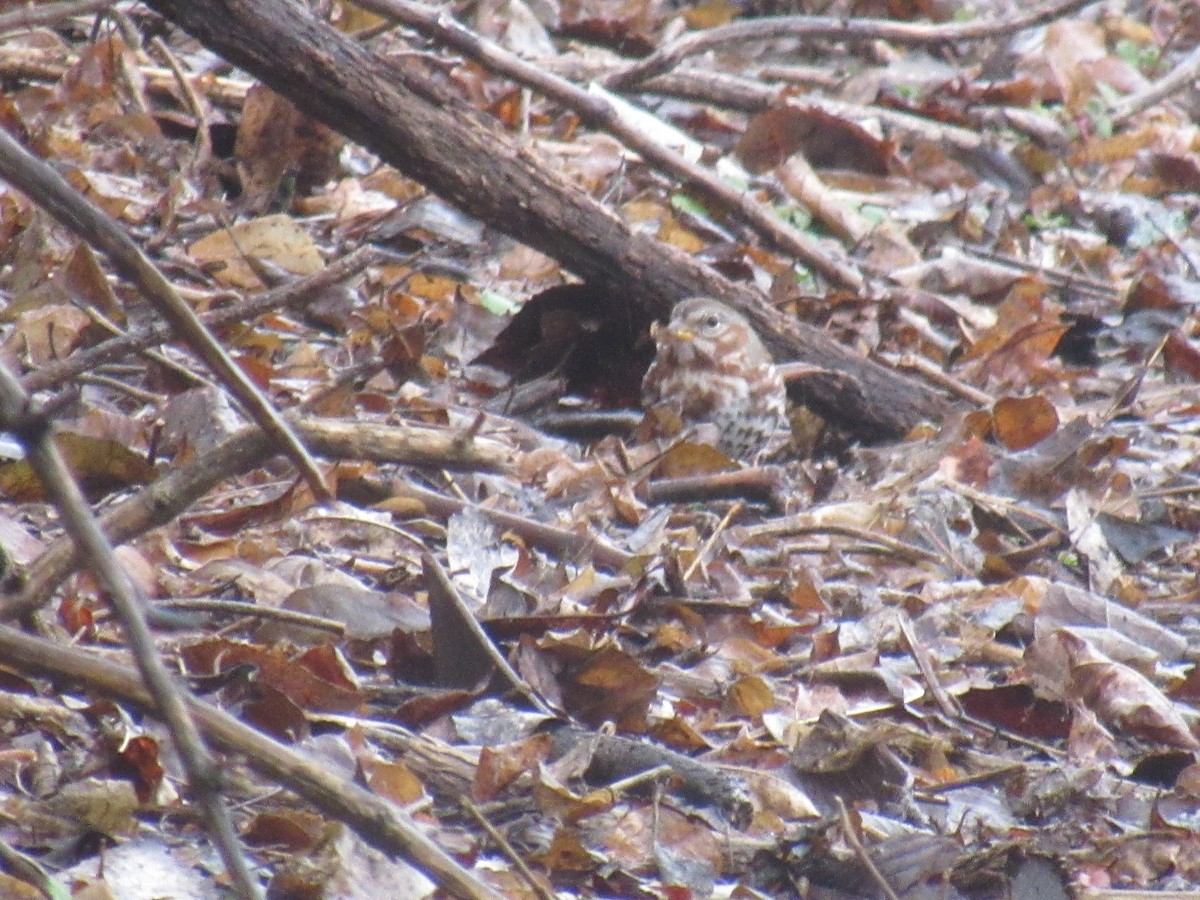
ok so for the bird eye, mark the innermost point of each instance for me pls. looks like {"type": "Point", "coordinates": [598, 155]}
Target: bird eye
{"type": "Point", "coordinates": [712, 322]}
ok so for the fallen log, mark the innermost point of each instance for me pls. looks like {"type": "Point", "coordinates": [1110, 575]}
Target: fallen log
{"type": "Point", "coordinates": [416, 125]}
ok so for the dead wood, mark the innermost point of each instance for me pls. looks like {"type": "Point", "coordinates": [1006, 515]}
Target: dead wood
{"type": "Point", "coordinates": [615, 758]}
{"type": "Point", "coordinates": [159, 502]}
{"type": "Point", "coordinates": [760, 484]}
{"type": "Point", "coordinates": [297, 293]}
{"type": "Point", "coordinates": [378, 822]}
{"type": "Point", "coordinates": [459, 154]}
{"type": "Point", "coordinates": [36, 436]}
{"type": "Point", "coordinates": [59, 198]}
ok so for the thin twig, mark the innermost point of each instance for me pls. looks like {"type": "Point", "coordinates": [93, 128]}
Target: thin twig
{"type": "Point", "coordinates": [253, 611]}
{"type": "Point", "coordinates": [991, 728]}
{"type": "Point", "coordinates": [997, 774]}
{"type": "Point", "coordinates": [558, 540]}
{"type": "Point", "coordinates": [830, 27]}
{"type": "Point", "coordinates": [745, 94]}
{"type": "Point", "coordinates": [1063, 278]}
{"type": "Point", "coordinates": [760, 484]}
{"type": "Point", "coordinates": [35, 434]}
{"type": "Point", "coordinates": [1007, 508]}
{"type": "Point", "coordinates": [41, 15]}
{"type": "Point", "coordinates": [507, 849]}
{"type": "Point", "coordinates": [442, 590]}
{"type": "Point", "coordinates": [153, 355]}
{"type": "Point", "coordinates": [42, 65]}
{"type": "Point", "coordinates": [911, 362]}
{"type": "Point", "coordinates": [22, 868]}
{"type": "Point", "coordinates": [1123, 398]}
{"type": "Point", "coordinates": [191, 96]}
{"type": "Point", "coordinates": [789, 525]}
{"type": "Point", "coordinates": [379, 823]}
{"type": "Point", "coordinates": [54, 194]}
{"type": "Point", "coordinates": [120, 387]}
{"type": "Point", "coordinates": [651, 776]}
{"type": "Point", "coordinates": [594, 109]}
{"type": "Point", "coordinates": [160, 502]}
{"type": "Point", "coordinates": [304, 290]}
{"type": "Point", "coordinates": [850, 833]}
{"type": "Point", "coordinates": [920, 655]}
{"type": "Point", "coordinates": [1182, 76]}
{"type": "Point", "coordinates": [712, 539]}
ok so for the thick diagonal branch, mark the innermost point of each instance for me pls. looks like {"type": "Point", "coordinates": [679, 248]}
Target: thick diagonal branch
{"type": "Point", "coordinates": [456, 152]}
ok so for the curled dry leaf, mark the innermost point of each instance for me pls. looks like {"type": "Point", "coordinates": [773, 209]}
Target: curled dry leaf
{"type": "Point", "coordinates": [1121, 696]}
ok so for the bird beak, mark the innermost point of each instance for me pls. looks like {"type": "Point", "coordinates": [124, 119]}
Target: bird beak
{"type": "Point", "coordinates": [677, 342]}
{"type": "Point", "coordinates": [658, 331]}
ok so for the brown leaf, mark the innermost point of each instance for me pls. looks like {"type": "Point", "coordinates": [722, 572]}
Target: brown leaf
{"type": "Point", "coordinates": [139, 759]}
{"type": "Point", "coordinates": [751, 697]}
{"type": "Point", "coordinates": [78, 618]}
{"type": "Point", "coordinates": [1181, 357]}
{"type": "Point", "coordinates": [567, 853]}
{"type": "Point", "coordinates": [1123, 697]}
{"type": "Point", "coordinates": [101, 467]}
{"type": "Point", "coordinates": [969, 462]}
{"type": "Point", "coordinates": [1017, 708]}
{"type": "Point", "coordinates": [1180, 172]}
{"type": "Point", "coordinates": [293, 830]}
{"type": "Point", "coordinates": [430, 706]}
{"type": "Point", "coordinates": [103, 805]}
{"type": "Point", "coordinates": [271, 710]}
{"type": "Point", "coordinates": [610, 685]}
{"type": "Point", "coordinates": [826, 140]}
{"type": "Point", "coordinates": [275, 140]}
{"type": "Point", "coordinates": [294, 678]}
{"type": "Point", "coordinates": [687, 459]}
{"type": "Point", "coordinates": [277, 239]}
{"type": "Point", "coordinates": [599, 342]}
{"type": "Point", "coordinates": [1021, 422]}
{"type": "Point", "coordinates": [44, 332]}
{"type": "Point", "coordinates": [392, 780]}
{"type": "Point", "coordinates": [82, 279]}
{"type": "Point", "coordinates": [500, 766]}
{"type": "Point", "coordinates": [1153, 290]}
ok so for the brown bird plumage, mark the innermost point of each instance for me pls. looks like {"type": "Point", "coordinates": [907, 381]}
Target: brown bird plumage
{"type": "Point", "coordinates": [712, 371]}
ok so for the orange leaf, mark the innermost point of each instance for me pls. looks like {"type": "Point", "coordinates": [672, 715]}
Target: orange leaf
{"type": "Point", "coordinates": [1021, 422]}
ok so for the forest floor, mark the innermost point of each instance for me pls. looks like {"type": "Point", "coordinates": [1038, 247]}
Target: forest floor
{"type": "Point", "coordinates": [960, 663]}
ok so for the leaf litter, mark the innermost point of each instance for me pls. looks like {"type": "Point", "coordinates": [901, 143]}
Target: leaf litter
{"type": "Point", "coordinates": [963, 662]}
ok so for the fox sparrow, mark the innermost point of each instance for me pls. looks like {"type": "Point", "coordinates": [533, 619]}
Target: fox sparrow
{"type": "Point", "coordinates": [712, 371]}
